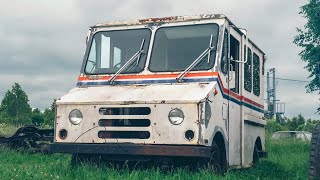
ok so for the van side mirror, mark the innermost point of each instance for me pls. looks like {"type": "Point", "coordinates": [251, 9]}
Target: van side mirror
{"type": "Point", "coordinates": [232, 79]}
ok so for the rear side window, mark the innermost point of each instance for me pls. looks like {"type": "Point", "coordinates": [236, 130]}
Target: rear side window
{"type": "Point", "coordinates": [256, 74]}
{"type": "Point", "coordinates": [248, 70]}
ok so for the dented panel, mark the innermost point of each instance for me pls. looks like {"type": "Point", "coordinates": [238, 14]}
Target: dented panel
{"type": "Point", "coordinates": [161, 130]}
{"type": "Point", "coordinates": [135, 94]}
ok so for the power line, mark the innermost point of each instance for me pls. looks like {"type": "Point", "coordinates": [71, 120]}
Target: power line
{"type": "Point", "coordinates": [287, 79]}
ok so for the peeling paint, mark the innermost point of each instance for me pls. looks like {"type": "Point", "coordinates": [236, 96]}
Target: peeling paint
{"type": "Point", "coordinates": [170, 19]}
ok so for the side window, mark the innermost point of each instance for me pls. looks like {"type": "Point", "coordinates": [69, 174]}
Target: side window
{"type": "Point", "coordinates": [234, 56]}
{"type": "Point", "coordinates": [224, 55]}
{"type": "Point", "coordinates": [256, 75]}
{"type": "Point", "coordinates": [248, 70]}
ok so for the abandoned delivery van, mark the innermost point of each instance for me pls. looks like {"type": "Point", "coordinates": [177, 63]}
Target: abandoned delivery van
{"type": "Point", "coordinates": [159, 88]}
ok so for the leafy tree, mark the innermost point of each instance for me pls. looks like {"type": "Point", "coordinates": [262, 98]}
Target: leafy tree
{"type": "Point", "coordinates": [37, 117]}
{"type": "Point", "coordinates": [309, 40]}
{"type": "Point", "coordinates": [48, 116]}
{"type": "Point", "coordinates": [310, 125]}
{"type": "Point", "coordinates": [49, 113]}
{"type": "Point", "coordinates": [273, 126]}
{"type": "Point", "coordinates": [15, 106]}
{"type": "Point", "coordinates": [295, 122]}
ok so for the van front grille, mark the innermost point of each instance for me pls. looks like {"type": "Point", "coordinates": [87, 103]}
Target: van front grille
{"type": "Point", "coordinates": [124, 122]}
{"type": "Point", "coordinates": [124, 134]}
{"type": "Point", "coordinates": [125, 111]}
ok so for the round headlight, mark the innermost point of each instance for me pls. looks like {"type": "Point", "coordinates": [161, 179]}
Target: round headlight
{"type": "Point", "coordinates": [176, 116]}
{"type": "Point", "coordinates": [75, 116]}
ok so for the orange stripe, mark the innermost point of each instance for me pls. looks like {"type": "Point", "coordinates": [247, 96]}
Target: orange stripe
{"type": "Point", "coordinates": [173, 75]}
{"type": "Point", "coordinates": [238, 97]}
{"type": "Point", "coordinates": [148, 76]}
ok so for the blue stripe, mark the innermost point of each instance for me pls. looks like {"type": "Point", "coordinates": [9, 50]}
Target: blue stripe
{"type": "Point", "coordinates": [159, 81]}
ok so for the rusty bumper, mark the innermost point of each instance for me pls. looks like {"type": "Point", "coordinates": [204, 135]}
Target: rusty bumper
{"type": "Point", "coordinates": [131, 149]}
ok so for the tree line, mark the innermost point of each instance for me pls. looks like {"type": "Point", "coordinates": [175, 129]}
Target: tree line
{"type": "Point", "coordinates": [297, 123]}
{"type": "Point", "coordinates": [16, 110]}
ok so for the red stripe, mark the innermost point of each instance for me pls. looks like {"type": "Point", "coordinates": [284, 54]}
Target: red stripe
{"type": "Point", "coordinates": [147, 76]}
{"type": "Point", "coordinates": [173, 75]}
{"type": "Point", "coordinates": [238, 97]}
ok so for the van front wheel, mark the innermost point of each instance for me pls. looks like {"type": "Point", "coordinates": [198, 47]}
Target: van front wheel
{"type": "Point", "coordinates": [217, 161]}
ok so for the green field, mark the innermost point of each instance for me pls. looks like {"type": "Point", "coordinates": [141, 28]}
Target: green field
{"type": "Point", "coordinates": [287, 160]}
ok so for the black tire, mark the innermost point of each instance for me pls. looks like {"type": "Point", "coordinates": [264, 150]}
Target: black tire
{"type": "Point", "coordinates": [314, 161]}
{"type": "Point", "coordinates": [255, 155]}
{"type": "Point", "coordinates": [218, 162]}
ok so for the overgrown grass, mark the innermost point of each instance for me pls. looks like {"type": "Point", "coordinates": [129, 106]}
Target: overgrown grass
{"type": "Point", "coordinates": [287, 160]}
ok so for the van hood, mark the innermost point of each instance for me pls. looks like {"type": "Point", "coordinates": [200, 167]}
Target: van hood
{"type": "Point", "coordinates": [135, 94]}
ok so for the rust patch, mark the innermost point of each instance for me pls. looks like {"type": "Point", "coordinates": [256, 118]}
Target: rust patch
{"type": "Point", "coordinates": [164, 19]}
{"type": "Point", "coordinates": [160, 20]}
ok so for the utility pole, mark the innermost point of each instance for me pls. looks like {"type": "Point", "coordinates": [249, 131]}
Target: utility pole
{"type": "Point", "coordinates": [273, 70]}
{"type": "Point", "coordinates": [268, 95]}
{"type": "Point", "coordinates": [272, 95]}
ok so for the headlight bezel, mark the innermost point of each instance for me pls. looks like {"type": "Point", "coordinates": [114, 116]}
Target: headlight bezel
{"type": "Point", "coordinates": [75, 121]}
{"type": "Point", "coordinates": [176, 111]}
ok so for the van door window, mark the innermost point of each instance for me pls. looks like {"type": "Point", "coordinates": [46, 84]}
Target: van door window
{"type": "Point", "coordinates": [248, 70]}
{"type": "Point", "coordinates": [234, 55]}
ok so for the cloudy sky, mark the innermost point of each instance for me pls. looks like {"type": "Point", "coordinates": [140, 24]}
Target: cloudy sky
{"type": "Point", "coordinates": [42, 42]}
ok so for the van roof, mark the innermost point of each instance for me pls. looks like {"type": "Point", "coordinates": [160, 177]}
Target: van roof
{"type": "Point", "coordinates": [172, 19]}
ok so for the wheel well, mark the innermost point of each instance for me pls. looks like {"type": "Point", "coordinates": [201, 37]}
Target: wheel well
{"type": "Point", "coordinates": [258, 143]}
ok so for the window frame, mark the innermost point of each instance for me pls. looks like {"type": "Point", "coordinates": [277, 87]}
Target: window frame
{"type": "Point", "coordinates": [88, 48]}
{"type": "Point", "coordinates": [246, 54]}
{"type": "Point", "coordinates": [258, 79]}
{"type": "Point", "coordinates": [225, 34]}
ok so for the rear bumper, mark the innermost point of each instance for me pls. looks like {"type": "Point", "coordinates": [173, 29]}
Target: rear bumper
{"type": "Point", "coordinates": [131, 149]}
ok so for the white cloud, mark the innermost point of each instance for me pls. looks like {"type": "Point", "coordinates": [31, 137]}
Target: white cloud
{"type": "Point", "coordinates": [42, 42]}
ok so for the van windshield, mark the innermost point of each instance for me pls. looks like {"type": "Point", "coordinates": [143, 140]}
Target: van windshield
{"type": "Point", "coordinates": [175, 48]}
{"type": "Point", "coordinates": [110, 50]}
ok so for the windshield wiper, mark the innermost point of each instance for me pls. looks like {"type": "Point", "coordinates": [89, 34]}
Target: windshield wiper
{"type": "Point", "coordinates": [135, 56]}
{"type": "Point", "coordinates": [93, 65]}
{"type": "Point", "coordinates": [196, 61]}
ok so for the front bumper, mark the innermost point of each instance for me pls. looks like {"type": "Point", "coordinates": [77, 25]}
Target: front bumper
{"type": "Point", "coordinates": [131, 149]}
